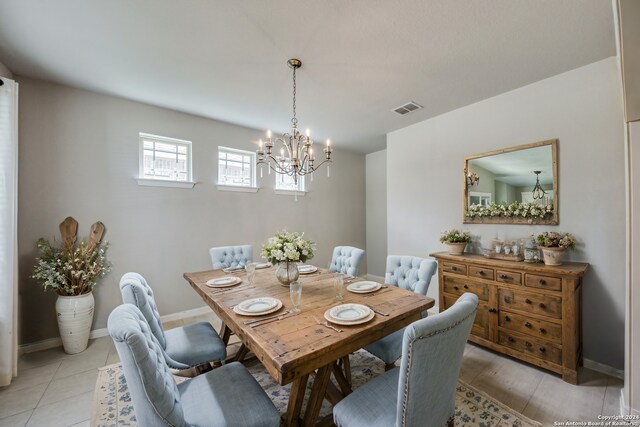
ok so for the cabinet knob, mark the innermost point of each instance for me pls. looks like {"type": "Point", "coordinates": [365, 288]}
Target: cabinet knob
{"type": "Point", "coordinates": [542, 349]}
{"type": "Point", "coordinates": [504, 276]}
{"type": "Point", "coordinates": [507, 300]}
{"type": "Point", "coordinates": [528, 344]}
{"type": "Point", "coordinates": [454, 268]}
{"type": "Point", "coordinates": [543, 331]}
{"type": "Point", "coordinates": [542, 282]}
{"type": "Point", "coordinates": [507, 319]}
{"type": "Point", "coordinates": [527, 324]}
{"type": "Point", "coordinates": [527, 300]}
{"type": "Point", "coordinates": [510, 339]}
{"type": "Point", "coordinates": [542, 305]}
{"type": "Point", "coordinates": [481, 272]}
{"type": "Point", "coordinates": [466, 286]}
{"type": "Point", "coordinates": [493, 310]}
{"type": "Point", "coordinates": [456, 288]}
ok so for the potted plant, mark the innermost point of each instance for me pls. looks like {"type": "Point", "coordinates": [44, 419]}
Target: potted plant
{"type": "Point", "coordinates": [72, 271]}
{"type": "Point", "coordinates": [554, 245]}
{"type": "Point", "coordinates": [285, 250]}
{"type": "Point", "coordinates": [455, 240]}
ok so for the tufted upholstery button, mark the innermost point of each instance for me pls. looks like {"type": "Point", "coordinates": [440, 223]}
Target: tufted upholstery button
{"type": "Point", "coordinates": [346, 260]}
{"type": "Point", "coordinates": [231, 256]}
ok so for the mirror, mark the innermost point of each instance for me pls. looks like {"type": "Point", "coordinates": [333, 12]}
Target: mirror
{"type": "Point", "coordinates": [517, 185]}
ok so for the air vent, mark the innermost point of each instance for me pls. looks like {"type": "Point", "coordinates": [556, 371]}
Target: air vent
{"type": "Point", "coordinates": [407, 108]}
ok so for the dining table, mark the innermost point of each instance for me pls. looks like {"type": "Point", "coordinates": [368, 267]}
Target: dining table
{"type": "Point", "coordinates": [293, 347]}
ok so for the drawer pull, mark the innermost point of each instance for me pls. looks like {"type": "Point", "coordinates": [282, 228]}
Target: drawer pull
{"type": "Point", "coordinates": [507, 319]}
{"type": "Point", "coordinates": [507, 300]}
{"type": "Point", "coordinates": [528, 344]}
{"type": "Point", "coordinates": [527, 324]}
{"type": "Point", "coordinates": [527, 300]}
{"type": "Point", "coordinates": [456, 288]}
{"type": "Point", "coordinates": [454, 268]}
{"type": "Point", "coordinates": [504, 276]}
{"type": "Point", "coordinates": [466, 286]}
{"type": "Point", "coordinates": [542, 349]}
{"type": "Point", "coordinates": [542, 282]}
{"type": "Point", "coordinates": [542, 305]}
{"type": "Point", "coordinates": [510, 339]}
{"type": "Point", "coordinates": [481, 273]}
{"type": "Point", "coordinates": [543, 331]}
{"type": "Point", "coordinates": [493, 310]}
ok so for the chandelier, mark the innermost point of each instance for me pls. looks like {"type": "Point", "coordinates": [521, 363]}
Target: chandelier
{"type": "Point", "coordinates": [538, 192]}
{"type": "Point", "coordinates": [297, 156]}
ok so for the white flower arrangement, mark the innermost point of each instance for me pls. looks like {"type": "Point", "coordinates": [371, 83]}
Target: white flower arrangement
{"type": "Point", "coordinates": [530, 211]}
{"type": "Point", "coordinates": [287, 247]}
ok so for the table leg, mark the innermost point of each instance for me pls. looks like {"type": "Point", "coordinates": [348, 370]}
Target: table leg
{"type": "Point", "coordinates": [296, 396]}
{"type": "Point", "coordinates": [225, 334]}
{"type": "Point", "coordinates": [242, 353]}
{"type": "Point", "coordinates": [317, 395]}
{"type": "Point", "coordinates": [343, 383]}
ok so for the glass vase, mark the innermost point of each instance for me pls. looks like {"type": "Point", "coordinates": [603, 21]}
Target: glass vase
{"type": "Point", "coordinates": [287, 272]}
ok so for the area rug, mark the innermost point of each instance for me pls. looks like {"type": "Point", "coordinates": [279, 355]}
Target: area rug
{"type": "Point", "coordinates": [112, 405]}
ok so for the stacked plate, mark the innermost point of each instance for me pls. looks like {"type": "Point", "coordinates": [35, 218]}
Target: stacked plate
{"type": "Point", "coordinates": [262, 265]}
{"type": "Point", "coordinates": [364, 287]}
{"type": "Point", "coordinates": [349, 314]}
{"type": "Point", "coordinates": [223, 282]}
{"type": "Point", "coordinates": [307, 269]}
{"type": "Point", "coordinates": [258, 306]}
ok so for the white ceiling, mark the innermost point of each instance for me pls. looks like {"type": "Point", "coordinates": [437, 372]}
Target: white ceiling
{"type": "Point", "coordinates": [516, 167]}
{"type": "Point", "coordinates": [226, 59]}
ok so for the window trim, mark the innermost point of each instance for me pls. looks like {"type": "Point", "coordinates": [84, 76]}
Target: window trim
{"type": "Point", "coordinates": [252, 187]}
{"type": "Point", "coordinates": [162, 182]}
{"type": "Point", "coordinates": [287, 191]}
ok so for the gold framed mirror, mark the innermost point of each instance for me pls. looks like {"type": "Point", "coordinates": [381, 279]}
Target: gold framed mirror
{"type": "Point", "coordinates": [516, 185]}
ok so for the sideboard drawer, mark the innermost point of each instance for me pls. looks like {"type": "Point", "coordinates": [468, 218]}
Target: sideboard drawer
{"type": "Point", "coordinates": [527, 325]}
{"type": "Point", "coordinates": [455, 286]}
{"type": "Point", "coordinates": [509, 277]}
{"type": "Point", "coordinates": [480, 326]}
{"type": "Point", "coordinates": [547, 305]}
{"type": "Point", "coordinates": [451, 267]}
{"type": "Point", "coordinates": [543, 282]}
{"type": "Point", "coordinates": [481, 272]}
{"type": "Point", "coordinates": [535, 347]}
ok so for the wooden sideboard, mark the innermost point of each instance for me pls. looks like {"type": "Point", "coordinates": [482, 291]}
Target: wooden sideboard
{"type": "Point", "coordinates": [528, 311]}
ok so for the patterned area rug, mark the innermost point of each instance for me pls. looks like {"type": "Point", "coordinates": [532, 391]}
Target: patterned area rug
{"type": "Point", "coordinates": [112, 404]}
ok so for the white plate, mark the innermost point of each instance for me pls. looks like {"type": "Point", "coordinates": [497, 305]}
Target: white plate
{"type": "Point", "coordinates": [237, 310]}
{"type": "Point", "coordinates": [364, 287]}
{"type": "Point", "coordinates": [262, 265]}
{"type": "Point", "coordinates": [232, 269]}
{"type": "Point", "coordinates": [223, 282]}
{"type": "Point", "coordinates": [349, 312]}
{"type": "Point", "coordinates": [332, 319]}
{"type": "Point", "coordinates": [258, 305]}
{"type": "Point", "coordinates": [307, 269]}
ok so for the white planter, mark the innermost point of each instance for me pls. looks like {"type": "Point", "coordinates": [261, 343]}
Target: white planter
{"type": "Point", "coordinates": [75, 315]}
{"type": "Point", "coordinates": [553, 256]}
{"type": "Point", "coordinates": [455, 248]}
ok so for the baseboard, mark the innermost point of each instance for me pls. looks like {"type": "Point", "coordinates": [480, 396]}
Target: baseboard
{"type": "Point", "coordinates": [103, 332]}
{"type": "Point", "coordinates": [375, 278]}
{"type": "Point", "coordinates": [605, 369]}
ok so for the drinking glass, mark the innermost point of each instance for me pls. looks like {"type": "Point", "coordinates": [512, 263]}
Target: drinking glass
{"type": "Point", "coordinates": [250, 268]}
{"type": "Point", "coordinates": [338, 287]}
{"type": "Point", "coordinates": [295, 291]}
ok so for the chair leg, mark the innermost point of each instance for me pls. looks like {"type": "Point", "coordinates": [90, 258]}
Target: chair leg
{"type": "Point", "coordinates": [450, 421]}
{"type": "Point", "coordinates": [389, 366]}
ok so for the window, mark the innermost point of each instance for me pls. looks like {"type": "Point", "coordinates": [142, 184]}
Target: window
{"type": "Point", "coordinates": [164, 159]}
{"type": "Point", "coordinates": [287, 183]}
{"type": "Point", "coordinates": [478, 198]}
{"type": "Point", "coordinates": [236, 168]}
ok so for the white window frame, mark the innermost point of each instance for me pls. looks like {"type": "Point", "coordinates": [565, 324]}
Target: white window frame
{"type": "Point", "coordinates": [301, 191]}
{"type": "Point", "coordinates": [252, 187]}
{"type": "Point", "coordinates": [163, 182]}
{"type": "Point", "coordinates": [482, 196]}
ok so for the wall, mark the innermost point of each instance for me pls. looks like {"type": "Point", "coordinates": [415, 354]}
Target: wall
{"type": "Point", "coordinates": [583, 109]}
{"type": "Point", "coordinates": [487, 182]}
{"type": "Point", "coordinates": [506, 193]}
{"type": "Point", "coordinates": [79, 157]}
{"type": "Point", "coordinates": [377, 212]}
{"type": "Point", "coordinates": [5, 72]}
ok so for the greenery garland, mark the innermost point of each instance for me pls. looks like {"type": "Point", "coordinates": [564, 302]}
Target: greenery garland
{"type": "Point", "coordinates": [515, 209]}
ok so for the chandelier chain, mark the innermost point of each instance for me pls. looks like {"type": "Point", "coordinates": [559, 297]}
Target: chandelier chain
{"type": "Point", "coordinates": [294, 119]}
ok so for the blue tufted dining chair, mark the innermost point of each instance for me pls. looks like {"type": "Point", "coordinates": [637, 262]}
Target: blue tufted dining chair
{"type": "Point", "coordinates": [227, 396]}
{"type": "Point", "coordinates": [422, 391]}
{"type": "Point", "coordinates": [185, 347]}
{"type": "Point", "coordinates": [231, 256]}
{"type": "Point", "coordinates": [346, 260]}
{"type": "Point", "coordinates": [410, 273]}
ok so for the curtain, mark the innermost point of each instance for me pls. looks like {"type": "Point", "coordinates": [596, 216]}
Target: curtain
{"type": "Point", "coordinates": [8, 230]}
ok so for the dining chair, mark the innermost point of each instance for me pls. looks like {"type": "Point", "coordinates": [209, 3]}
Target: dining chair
{"type": "Point", "coordinates": [346, 260]}
{"type": "Point", "coordinates": [191, 346]}
{"type": "Point", "coordinates": [422, 391]}
{"type": "Point", "coordinates": [231, 256]}
{"type": "Point", "coordinates": [407, 272]}
{"type": "Point", "coordinates": [227, 396]}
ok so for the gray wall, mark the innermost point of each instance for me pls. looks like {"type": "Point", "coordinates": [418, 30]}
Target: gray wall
{"type": "Point", "coordinates": [377, 212]}
{"type": "Point", "coordinates": [487, 182]}
{"type": "Point", "coordinates": [79, 157]}
{"type": "Point", "coordinates": [583, 109]}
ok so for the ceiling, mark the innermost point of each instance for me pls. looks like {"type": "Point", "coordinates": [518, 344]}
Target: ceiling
{"type": "Point", "coordinates": [516, 167]}
{"type": "Point", "coordinates": [226, 59]}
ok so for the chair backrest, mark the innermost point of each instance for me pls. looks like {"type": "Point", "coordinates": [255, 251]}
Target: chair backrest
{"type": "Point", "coordinates": [346, 260]}
{"type": "Point", "coordinates": [231, 256]}
{"type": "Point", "coordinates": [410, 272]}
{"type": "Point", "coordinates": [135, 290]}
{"type": "Point", "coordinates": [432, 351]}
{"type": "Point", "coordinates": [154, 393]}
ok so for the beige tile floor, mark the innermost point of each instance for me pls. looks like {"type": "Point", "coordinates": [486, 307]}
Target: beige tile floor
{"type": "Point", "coordinates": [55, 389]}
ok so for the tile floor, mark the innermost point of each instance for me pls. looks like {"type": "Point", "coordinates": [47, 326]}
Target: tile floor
{"type": "Point", "coordinates": [54, 389]}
